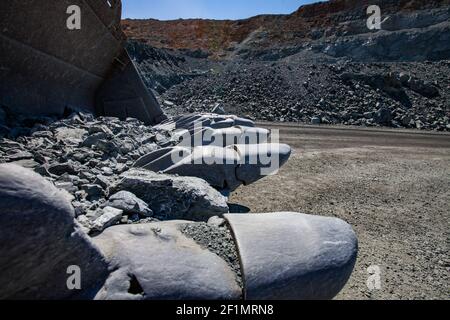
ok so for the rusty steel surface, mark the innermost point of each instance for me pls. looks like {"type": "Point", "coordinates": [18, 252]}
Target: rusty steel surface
{"type": "Point", "coordinates": [47, 69]}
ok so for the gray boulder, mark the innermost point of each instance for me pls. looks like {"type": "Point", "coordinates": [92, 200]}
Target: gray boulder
{"type": "Point", "coordinates": [39, 241]}
{"type": "Point", "coordinates": [223, 168]}
{"type": "Point", "coordinates": [206, 136]}
{"type": "Point", "coordinates": [157, 261]}
{"type": "Point", "coordinates": [129, 203]}
{"type": "Point", "coordinates": [173, 197]}
{"type": "Point", "coordinates": [216, 221]}
{"type": "Point", "coordinates": [93, 191]}
{"type": "Point", "coordinates": [383, 116]}
{"type": "Point", "coordinates": [293, 256]}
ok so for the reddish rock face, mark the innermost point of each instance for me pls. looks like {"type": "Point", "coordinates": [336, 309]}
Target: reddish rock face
{"type": "Point", "coordinates": [218, 36]}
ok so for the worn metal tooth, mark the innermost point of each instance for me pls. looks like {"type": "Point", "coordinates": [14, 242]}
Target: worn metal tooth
{"type": "Point", "coordinates": [227, 167]}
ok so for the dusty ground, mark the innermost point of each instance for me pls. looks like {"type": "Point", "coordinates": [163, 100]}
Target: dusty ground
{"type": "Point", "coordinates": [393, 187]}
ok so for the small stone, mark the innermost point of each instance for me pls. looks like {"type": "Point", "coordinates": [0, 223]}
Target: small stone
{"type": "Point", "coordinates": [124, 220]}
{"type": "Point", "coordinates": [88, 176]}
{"type": "Point", "coordinates": [100, 129]}
{"type": "Point", "coordinates": [172, 197]}
{"type": "Point", "coordinates": [81, 157]}
{"type": "Point", "coordinates": [107, 171]}
{"type": "Point", "coordinates": [121, 159]}
{"type": "Point", "coordinates": [39, 158]}
{"type": "Point", "coordinates": [315, 120]}
{"type": "Point", "coordinates": [218, 109]}
{"type": "Point", "coordinates": [126, 148]}
{"type": "Point", "coordinates": [93, 163]}
{"type": "Point", "coordinates": [216, 221]}
{"type": "Point", "coordinates": [94, 139]}
{"type": "Point", "coordinates": [133, 218]}
{"type": "Point", "coordinates": [79, 208]}
{"type": "Point", "coordinates": [2, 116]}
{"type": "Point", "coordinates": [21, 155]}
{"type": "Point", "coordinates": [110, 217]}
{"type": "Point", "coordinates": [85, 223]}
{"type": "Point", "coordinates": [107, 146]}
{"type": "Point", "coordinates": [102, 181]}
{"type": "Point", "coordinates": [406, 120]}
{"type": "Point", "coordinates": [43, 171]}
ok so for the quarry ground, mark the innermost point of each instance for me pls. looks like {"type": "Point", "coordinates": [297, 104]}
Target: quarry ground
{"type": "Point", "coordinates": [392, 186]}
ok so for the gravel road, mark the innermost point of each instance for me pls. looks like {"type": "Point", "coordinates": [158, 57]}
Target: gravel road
{"type": "Point", "coordinates": [392, 186]}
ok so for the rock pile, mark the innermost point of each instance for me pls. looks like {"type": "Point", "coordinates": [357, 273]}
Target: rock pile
{"type": "Point", "coordinates": [319, 65]}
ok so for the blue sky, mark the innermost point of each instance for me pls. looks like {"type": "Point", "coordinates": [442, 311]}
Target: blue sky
{"type": "Point", "coordinates": [207, 9]}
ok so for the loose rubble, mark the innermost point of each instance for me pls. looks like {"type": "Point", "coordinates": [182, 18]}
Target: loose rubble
{"type": "Point", "coordinates": [39, 241]}
{"type": "Point", "coordinates": [293, 69]}
{"type": "Point", "coordinates": [91, 158]}
{"type": "Point", "coordinates": [217, 239]}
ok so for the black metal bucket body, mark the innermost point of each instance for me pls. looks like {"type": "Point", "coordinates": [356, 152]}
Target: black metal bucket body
{"type": "Point", "coordinates": [46, 68]}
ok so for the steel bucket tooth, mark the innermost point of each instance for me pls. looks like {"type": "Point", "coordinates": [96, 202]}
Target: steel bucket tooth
{"type": "Point", "coordinates": [48, 69]}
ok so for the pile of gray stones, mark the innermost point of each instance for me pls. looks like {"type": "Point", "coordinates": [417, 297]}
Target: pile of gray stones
{"type": "Point", "coordinates": [70, 196]}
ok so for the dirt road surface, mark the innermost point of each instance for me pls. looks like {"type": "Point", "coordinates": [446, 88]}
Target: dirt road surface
{"type": "Point", "coordinates": [392, 186]}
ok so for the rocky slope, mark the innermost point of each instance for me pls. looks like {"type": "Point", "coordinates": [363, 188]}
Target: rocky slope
{"type": "Point", "coordinates": [335, 28]}
{"type": "Point", "coordinates": [320, 64]}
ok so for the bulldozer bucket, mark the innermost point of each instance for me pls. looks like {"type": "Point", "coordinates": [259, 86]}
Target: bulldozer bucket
{"type": "Point", "coordinates": [48, 67]}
